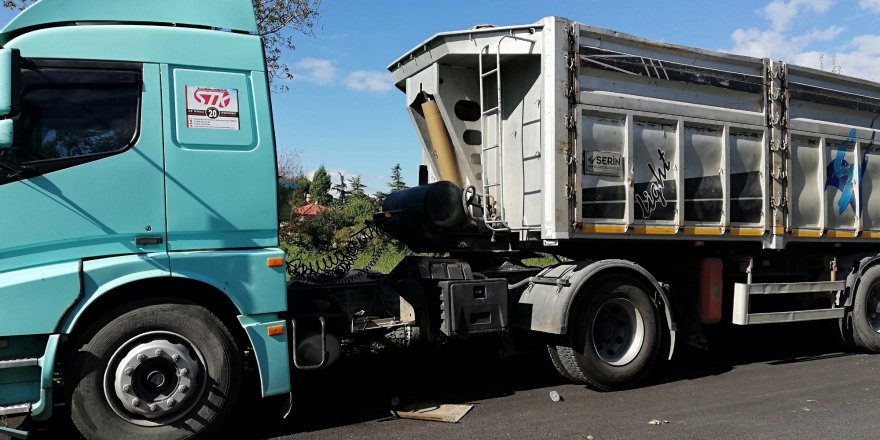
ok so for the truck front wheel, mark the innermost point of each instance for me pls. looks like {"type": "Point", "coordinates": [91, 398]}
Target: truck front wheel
{"type": "Point", "coordinates": [161, 371]}
{"type": "Point", "coordinates": [614, 335]}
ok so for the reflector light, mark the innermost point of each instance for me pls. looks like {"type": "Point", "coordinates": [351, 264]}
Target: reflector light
{"type": "Point", "coordinates": [275, 330]}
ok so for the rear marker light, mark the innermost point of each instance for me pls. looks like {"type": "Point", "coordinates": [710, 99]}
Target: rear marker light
{"type": "Point", "coordinates": [275, 262]}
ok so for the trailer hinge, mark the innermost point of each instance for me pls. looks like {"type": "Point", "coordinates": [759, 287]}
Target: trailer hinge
{"type": "Point", "coordinates": [778, 203]}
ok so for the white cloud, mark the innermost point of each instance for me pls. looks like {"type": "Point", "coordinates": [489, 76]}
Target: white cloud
{"type": "Point", "coordinates": [777, 45]}
{"type": "Point", "coordinates": [859, 56]}
{"type": "Point", "coordinates": [782, 12]}
{"type": "Point", "coordinates": [315, 70]}
{"type": "Point", "coordinates": [369, 81]}
{"type": "Point", "coordinates": [863, 60]}
{"type": "Point", "coordinates": [870, 5]}
{"type": "Point", "coordinates": [325, 73]}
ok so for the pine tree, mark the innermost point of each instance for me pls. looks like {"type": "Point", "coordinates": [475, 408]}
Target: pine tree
{"type": "Point", "coordinates": [357, 188]}
{"type": "Point", "coordinates": [319, 190]}
{"type": "Point", "coordinates": [396, 183]}
{"type": "Point", "coordinates": [341, 188]}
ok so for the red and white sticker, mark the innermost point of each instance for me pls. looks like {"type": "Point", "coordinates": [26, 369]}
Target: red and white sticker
{"type": "Point", "coordinates": [212, 108]}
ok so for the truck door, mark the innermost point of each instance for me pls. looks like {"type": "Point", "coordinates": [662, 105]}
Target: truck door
{"type": "Point", "coordinates": [84, 179]}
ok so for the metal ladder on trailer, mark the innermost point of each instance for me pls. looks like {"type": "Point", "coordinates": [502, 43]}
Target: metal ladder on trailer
{"type": "Point", "coordinates": [496, 221]}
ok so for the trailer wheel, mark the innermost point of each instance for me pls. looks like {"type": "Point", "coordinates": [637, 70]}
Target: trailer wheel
{"type": "Point", "coordinates": [161, 371]}
{"type": "Point", "coordinates": [553, 353]}
{"type": "Point", "coordinates": [614, 337]}
{"type": "Point", "coordinates": [865, 316]}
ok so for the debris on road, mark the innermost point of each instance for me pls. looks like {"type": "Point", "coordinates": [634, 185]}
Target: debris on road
{"type": "Point", "coordinates": [554, 396]}
{"type": "Point", "coordinates": [433, 412]}
{"type": "Point", "coordinates": [658, 422]}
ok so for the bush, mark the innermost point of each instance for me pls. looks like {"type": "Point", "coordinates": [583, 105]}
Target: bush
{"type": "Point", "coordinates": [320, 240]}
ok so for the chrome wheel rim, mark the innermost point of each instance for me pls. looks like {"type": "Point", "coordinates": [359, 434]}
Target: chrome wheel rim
{"type": "Point", "coordinates": [154, 378]}
{"type": "Point", "coordinates": [618, 332]}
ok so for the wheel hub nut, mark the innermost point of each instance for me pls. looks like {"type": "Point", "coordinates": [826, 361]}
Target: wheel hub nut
{"type": "Point", "coordinates": [141, 357]}
{"type": "Point", "coordinates": [159, 352]}
{"type": "Point", "coordinates": [171, 403]}
{"type": "Point", "coordinates": [154, 407]}
{"type": "Point", "coordinates": [135, 402]}
{"type": "Point", "coordinates": [127, 389]}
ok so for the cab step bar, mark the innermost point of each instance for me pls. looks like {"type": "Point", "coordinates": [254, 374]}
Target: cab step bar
{"type": "Point", "coordinates": [18, 363]}
{"type": "Point", "coordinates": [742, 293]}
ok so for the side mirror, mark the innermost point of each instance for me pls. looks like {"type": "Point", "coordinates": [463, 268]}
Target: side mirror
{"type": "Point", "coordinates": [10, 92]}
{"type": "Point", "coordinates": [6, 133]}
{"type": "Point", "coordinates": [10, 81]}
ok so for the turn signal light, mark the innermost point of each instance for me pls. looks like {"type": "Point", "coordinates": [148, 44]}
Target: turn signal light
{"type": "Point", "coordinates": [275, 262]}
{"type": "Point", "coordinates": [275, 330]}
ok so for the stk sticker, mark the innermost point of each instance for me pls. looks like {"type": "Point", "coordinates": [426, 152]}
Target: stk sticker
{"type": "Point", "coordinates": [212, 108]}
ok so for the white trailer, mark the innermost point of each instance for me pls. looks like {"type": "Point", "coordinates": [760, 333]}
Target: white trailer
{"type": "Point", "coordinates": [686, 186]}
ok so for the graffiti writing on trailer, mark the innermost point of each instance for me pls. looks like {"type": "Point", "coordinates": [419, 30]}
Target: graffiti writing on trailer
{"type": "Point", "coordinates": [651, 197]}
{"type": "Point", "coordinates": [841, 174]}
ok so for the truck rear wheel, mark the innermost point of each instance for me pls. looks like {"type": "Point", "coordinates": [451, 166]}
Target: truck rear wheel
{"type": "Point", "coordinates": [865, 318]}
{"type": "Point", "coordinates": [162, 371]}
{"type": "Point", "coordinates": [614, 337]}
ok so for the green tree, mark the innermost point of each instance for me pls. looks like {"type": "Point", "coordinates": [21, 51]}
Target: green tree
{"type": "Point", "coordinates": [357, 188]}
{"type": "Point", "coordinates": [341, 189]}
{"type": "Point", "coordinates": [275, 20]}
{"type": "Point", "coordinates": [290, 182]}
{"type": "Point", "coordinates": [396, 183]}
{"type": "Point", "coordinates": [319, 191]}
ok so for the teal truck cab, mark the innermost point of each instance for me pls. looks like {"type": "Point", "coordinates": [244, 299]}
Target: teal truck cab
{"type": "Point", "coordinates": [140, 272]}
{"type": "Point", "coordinates": [140, 240]}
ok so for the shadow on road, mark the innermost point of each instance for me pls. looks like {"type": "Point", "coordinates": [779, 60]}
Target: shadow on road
{"type": "Point", "coordinates": [361, 388]}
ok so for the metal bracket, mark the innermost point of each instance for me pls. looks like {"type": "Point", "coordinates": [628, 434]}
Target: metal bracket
{"type": "Point", "coordinates": [293, 345]}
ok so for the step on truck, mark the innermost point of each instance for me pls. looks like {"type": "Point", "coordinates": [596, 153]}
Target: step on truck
{"type": "Point", "coordinates": [140, 271]}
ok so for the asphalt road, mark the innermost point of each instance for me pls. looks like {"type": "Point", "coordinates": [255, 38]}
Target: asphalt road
{"type": "Point", "coordinates": [769, 382]}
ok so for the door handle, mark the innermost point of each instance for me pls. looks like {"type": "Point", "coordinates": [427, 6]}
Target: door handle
{"type": "Point", "coordinates": [148, 241]}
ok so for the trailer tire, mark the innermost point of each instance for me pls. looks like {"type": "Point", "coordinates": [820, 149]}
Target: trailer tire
{"type": "Point", "coordinates": [155, 371]}
{"type": "Point", "coordinates": [865, 315]}
{"type": "Point", "coordinates": [553, 354]}
{"type": "Point", "coordinates": [615, 336]}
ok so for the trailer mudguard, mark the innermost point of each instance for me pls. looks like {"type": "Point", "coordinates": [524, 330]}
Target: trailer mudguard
{"type": "Point", "coordinates": [545, 307]}
{"type": "Point", "coordinates": [861, 263]}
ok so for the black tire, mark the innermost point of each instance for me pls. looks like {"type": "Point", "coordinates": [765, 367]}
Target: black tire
{"type": "Point", "coordinates": [556, 362]}
{"type": "Point", "coordinates": [95, 406]}
{"type": "Point", "coordinates": [614, 310]}
{"type": "Point", "coordinates": [865, 316]}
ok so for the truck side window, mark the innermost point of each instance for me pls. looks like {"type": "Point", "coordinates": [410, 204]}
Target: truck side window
{"type": "Point", "coordinates": [72, 115]}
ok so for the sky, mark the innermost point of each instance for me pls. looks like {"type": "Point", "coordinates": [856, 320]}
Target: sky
{"type": "Point", "coordinates": [343, 112]}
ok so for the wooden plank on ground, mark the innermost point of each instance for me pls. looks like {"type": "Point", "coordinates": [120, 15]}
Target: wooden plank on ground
{"type": "Point", "coordinates": [433, 412]}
